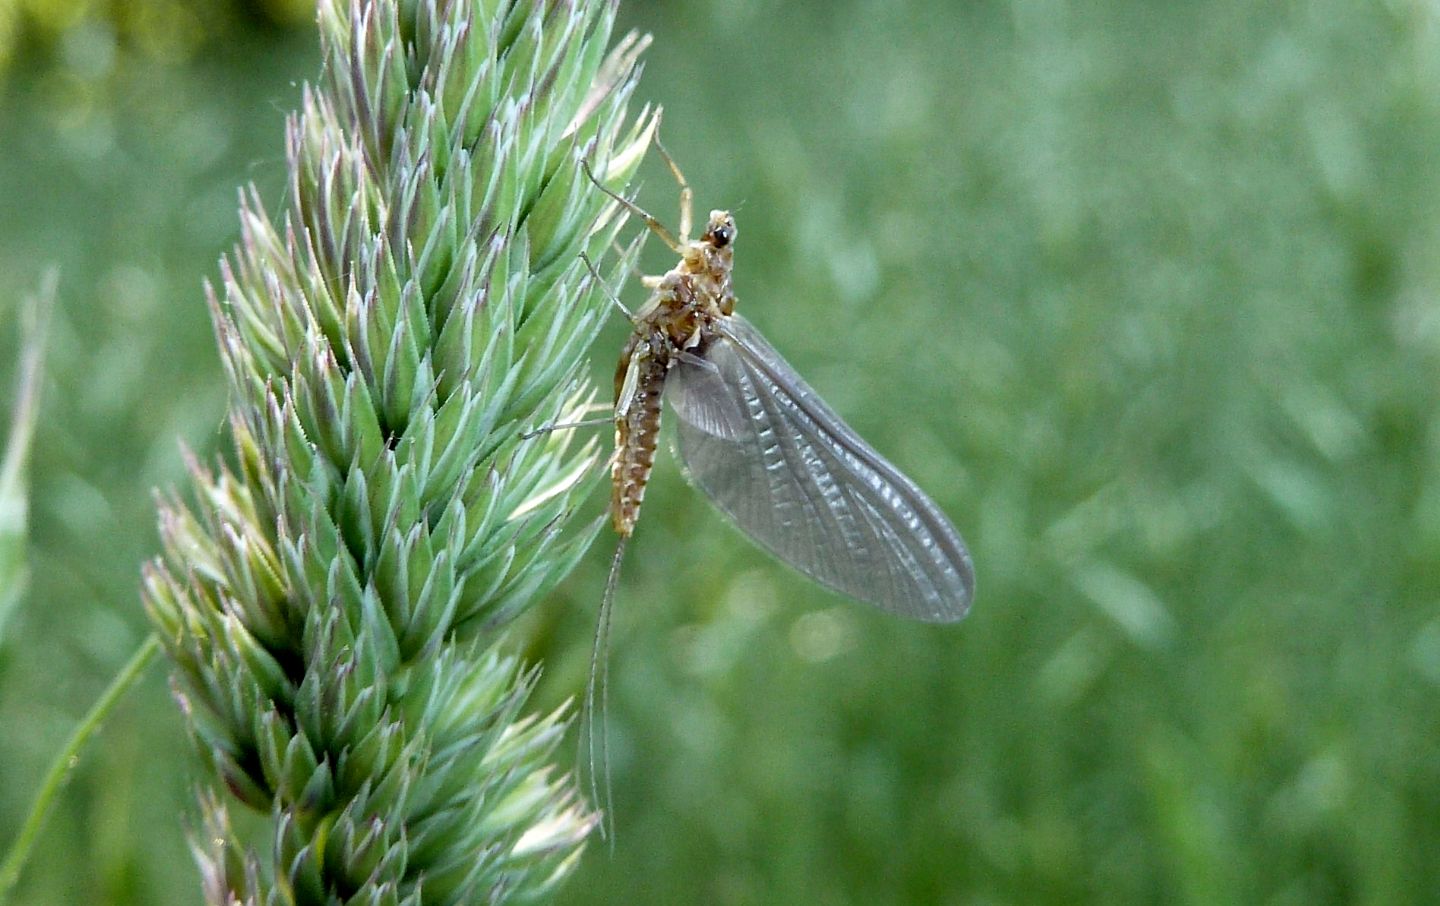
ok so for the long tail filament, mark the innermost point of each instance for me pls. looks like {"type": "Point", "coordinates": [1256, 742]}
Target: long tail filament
{"type": "Point", "coordinates": [594, 723]}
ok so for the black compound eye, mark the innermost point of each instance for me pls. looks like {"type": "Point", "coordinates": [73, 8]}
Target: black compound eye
{"type": "Point", "coordinates": [721, 235]}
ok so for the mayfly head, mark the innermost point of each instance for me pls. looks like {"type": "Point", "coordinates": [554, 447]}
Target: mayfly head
{"type": "Point", "coordinates": [719, 230]}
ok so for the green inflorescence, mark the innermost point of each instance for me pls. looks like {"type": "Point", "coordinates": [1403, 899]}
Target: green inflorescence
{"type": "Point", "coordinates": [331, 600]}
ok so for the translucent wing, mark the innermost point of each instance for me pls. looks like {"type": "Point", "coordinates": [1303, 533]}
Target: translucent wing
{"type": "Point", "coordinates": [800, 482]}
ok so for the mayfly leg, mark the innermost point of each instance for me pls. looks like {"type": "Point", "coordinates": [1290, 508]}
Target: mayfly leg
{"type": "Point", "coordinates": [566, 426]}
{"type": "Point", "coordinates": [614, 297]}
{"type": "Point", "coordinates": [686, 196]}
{"type": "Point", "coordinates": [651, 221]}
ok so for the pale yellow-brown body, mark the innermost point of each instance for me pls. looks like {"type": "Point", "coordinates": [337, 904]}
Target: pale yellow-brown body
{"type": "Point", "coordinates": [678, 319]}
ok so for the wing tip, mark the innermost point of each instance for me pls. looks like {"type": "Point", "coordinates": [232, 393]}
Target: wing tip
{"type": "Point", "coordinates": [954, 608]}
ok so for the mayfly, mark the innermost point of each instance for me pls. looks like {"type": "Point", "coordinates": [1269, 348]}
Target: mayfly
{"type": "Point", "coordinates": [766, 450]}
{"type": "Point", "coordinates": [761, 444]}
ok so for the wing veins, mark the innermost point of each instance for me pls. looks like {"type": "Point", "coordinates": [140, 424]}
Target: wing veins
{"type": "Point", "coordinates": [935, 526]}
{"type": "Point", "coordinates": [812, 464]}
{"type": "Point", "coordinates": [804, 486]}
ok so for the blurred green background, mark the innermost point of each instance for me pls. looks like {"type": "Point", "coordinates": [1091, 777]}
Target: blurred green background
{"type": "Point", "coordinates": [1146, 295]}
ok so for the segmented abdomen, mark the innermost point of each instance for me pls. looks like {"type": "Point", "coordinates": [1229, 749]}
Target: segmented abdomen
{"type": "Point", "coordinates": [637, 433]}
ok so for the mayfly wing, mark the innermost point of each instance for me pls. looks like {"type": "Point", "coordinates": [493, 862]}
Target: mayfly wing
{"type": "Point", "coordinates": [800, 482]}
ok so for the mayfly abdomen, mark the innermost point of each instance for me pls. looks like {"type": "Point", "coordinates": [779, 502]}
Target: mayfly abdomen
{"type": "Point", "coordinates": [639, 387]}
